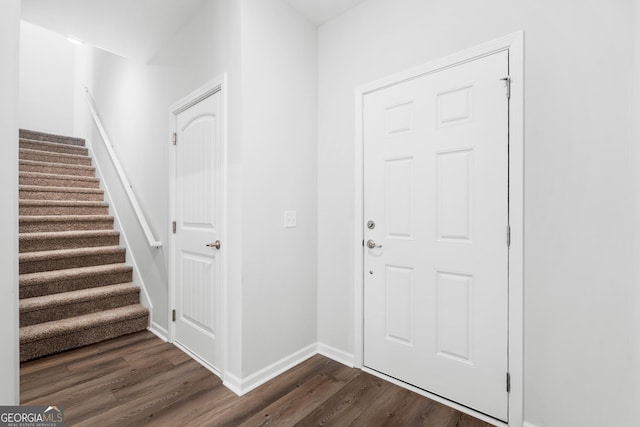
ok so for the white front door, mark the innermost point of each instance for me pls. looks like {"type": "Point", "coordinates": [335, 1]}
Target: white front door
{"type": "Point", "coordinates": [436, 210]}
{"type": "Point", "coordinates": [198, 275]}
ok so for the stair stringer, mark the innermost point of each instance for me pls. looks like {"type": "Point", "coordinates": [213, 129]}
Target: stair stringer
{"type": "Point", "coordinates": [137, 278]}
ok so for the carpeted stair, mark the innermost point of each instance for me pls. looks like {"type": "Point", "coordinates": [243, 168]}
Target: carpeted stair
{"type": "Point", "coordinates": [75, 288]}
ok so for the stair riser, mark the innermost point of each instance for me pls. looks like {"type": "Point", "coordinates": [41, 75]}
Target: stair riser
{"type": "Point", "coordinates": [72, 262]}
{"type": "Point", "coordinates": [38, 136]}
{"type": "Point", "coordinates": [60, 170]}
{"type": "Point", "coordinates": [57, 182]}
{"type": "Point", "coordinates": [67, 243]}
{"type": "Point", "coordinates": [64, 210]}
{"type": "Point", "coordinates": [73, 284]}
{"type": "Point", "coordinates": [56, 344]}
{"type": "Point", "coordinates": [57, 148]}
{"type": "Point", "coordinates": [41, 156]}
{"type": "Point", "coordinates": [40, 227]}
{"type": "Point", "coordinates": [59, 195]}
{"type": "Point", "coordinates": [79, 308]}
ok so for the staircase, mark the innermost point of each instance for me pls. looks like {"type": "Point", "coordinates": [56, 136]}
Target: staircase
{"type": "Point", "coordinates": [75, 288]}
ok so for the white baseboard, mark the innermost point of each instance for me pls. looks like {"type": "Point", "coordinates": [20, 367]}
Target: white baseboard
{"type": "Point", "coordinates": [241, 386]}
{"type": "Point", "coordinates": [245, 385]}
{"type": "Point", "coordinates": [336, 354]}
{"type": "Point", "coordinates": [159, 331]}
{"type": "Point", "coordinates": [233, 383]}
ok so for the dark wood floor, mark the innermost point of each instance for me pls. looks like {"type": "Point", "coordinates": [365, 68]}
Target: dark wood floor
{"type": "Point", "coordinates": [140, 380]}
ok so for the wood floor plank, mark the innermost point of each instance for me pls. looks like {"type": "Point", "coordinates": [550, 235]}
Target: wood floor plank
{"type": "Point", "coordinates": [35, 379]}
{"type": "Point", "coordinates": [236, 411]}
{"type": "Point", "coordinates": [143, 355]}
{"type": "Point", "coordinates": [432, 413]}
{"type": "Point", "coordinates": [139, 409]}
{"type": "Point", "coordinates": [139, 380]}
{"type": "Point", "coordinates": [338, 371]}
{"type": "Point", "coordinates": [393, 408]}
{"type": "Point", "coordinates": [120, 379]}
{"type": "Point", "coordinates": [467, 420]}
{"type": "Point", "coordinates": [292, 407]}
{"type": "Point", "coordinates": [77, 410]}
{"type": "Point", "coordinates": [178, 356]}
{"type": "Point", "coordinates": [71, 380]}
{"type": "Point", "coordinates": [349, 403]}
{"type": "Point", "coordinates": [186, 413]}
{"type": "Point", "coordinates": [89, 351]}
{"type": "Point", "coordinates": [159, 381]}
{"type": "Point", "coordinates": [127, 352]}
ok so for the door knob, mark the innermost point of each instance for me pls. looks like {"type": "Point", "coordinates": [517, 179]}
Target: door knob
{"type": "Point", "coordinates": [215, 244]}
{"type": "Point", "coordinates": [371, 244]}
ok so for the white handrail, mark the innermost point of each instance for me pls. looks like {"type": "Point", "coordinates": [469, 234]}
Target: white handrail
{"type": "Point", "coordinates": [123, 178]}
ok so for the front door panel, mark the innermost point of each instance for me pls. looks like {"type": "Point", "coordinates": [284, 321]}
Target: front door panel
{"type": "Point", "coordinates": [436, 185]}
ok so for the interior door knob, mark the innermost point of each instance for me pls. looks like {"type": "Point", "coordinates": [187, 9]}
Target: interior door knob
{"type": "Point", "coordinates": [215, 244]}
{"type": "Point", "coordinates": [371, 244]}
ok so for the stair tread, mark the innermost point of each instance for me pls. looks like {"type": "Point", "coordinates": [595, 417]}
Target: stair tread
{"type": "Point", "coordinates": [59, 165]}
{"type": "Point", "coordinates": [67, 234]}
{"type": "Point", "coordinates": [46, 188]}
{"type": "Point", "coordinates": [74, 297]}
{"type": "Point", "coordinates": [38, 241]}
{"type": "Point", "coordinates": [51, 137]}
{"type": "Point", "coordinates": [54, 154]}
{"type": "Point", "coordinates": [79, 323]}
{"type": "Point", "coordinates": [72, 273]}
{"type": "Point", "coordinates": [69, 253]}
{"type": "Point", "coordinates": [55, 145]}
{"type": "Point", "coordinates": [36, 202]}
{"type": "Point", "coordinates": [64, 218]}
{"type": "Point", "coordinates": [42, 175]}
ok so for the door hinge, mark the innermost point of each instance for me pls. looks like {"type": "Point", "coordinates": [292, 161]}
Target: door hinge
{"type": "Point", "coordinates": [173, 315]}
{"type": "Point", "coordinates": [363, 243]}
{"type": "Point", "coordinates": [174, 226]}
{"type": "Point", "coordinates": [508, 381]}
{"type": "Point", "coordinates": [508, 235]}
{"type": "Point", "coordinates": [174, 138]}
{"type": "Point", "coordinates": [507, 82]}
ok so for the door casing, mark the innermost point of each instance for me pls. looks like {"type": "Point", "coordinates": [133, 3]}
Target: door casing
{"type": "Point", "coordinates": [514, 44]}
{"type": "Point", "coordinates": [218, 84]}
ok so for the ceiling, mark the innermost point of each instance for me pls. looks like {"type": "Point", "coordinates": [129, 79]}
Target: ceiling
{"type": "Point", "coordinates": [137, 29]}
{"type": "Point", "coordinates": [321, 11]}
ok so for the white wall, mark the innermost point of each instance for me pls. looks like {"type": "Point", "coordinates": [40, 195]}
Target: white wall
{"type": "Point", "coordinates": [111, 79]}
{"type": "Point", "coordinates": [46, 81]}
{"type": "Point", "coordinates": [279, 60]}
{"type": "Point", "coordinates": [270, 53]}
{"type": "Point", "coordinates": [133, 100]}
{"type": "Point", "coordinates": [9, 56]}
{"type": "Point", "coordinates": [579, 288]}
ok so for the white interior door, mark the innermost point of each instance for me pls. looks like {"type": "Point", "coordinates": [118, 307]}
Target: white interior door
{"type": "Point", "coordinates": [436, 187]}
{"type": "Point", "coordinates": [198, 224]}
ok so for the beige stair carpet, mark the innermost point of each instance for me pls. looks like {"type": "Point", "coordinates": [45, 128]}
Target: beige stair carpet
{"type": "Point", "coordinates": [75, 288]}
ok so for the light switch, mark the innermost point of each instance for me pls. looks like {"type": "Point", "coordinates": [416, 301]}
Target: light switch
{"type": "Point", "coordinates": [290, 219]}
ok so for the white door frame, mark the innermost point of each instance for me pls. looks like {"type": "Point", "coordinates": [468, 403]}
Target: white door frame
{"type": "Point", "coordinates": [514, 44]}
{"type": "Point", "coordinates": [218, 84]}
